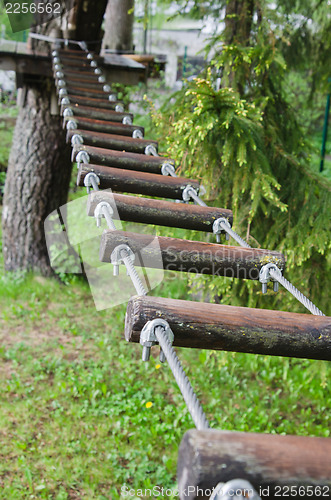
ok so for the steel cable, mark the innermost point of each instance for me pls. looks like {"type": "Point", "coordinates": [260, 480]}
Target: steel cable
{"type": "Point", "coordinates": [190, 398]}
{"type": "Point", "coordinates": [277, 275]}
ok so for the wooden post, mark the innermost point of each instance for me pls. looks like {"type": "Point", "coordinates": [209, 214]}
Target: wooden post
{"type": "Point", "coordinates": [97, 92]}
{"type": "Point", "coordinates": [124, 160]}
{"type": "Point", "coordinates": [271, 463]}
{"type": "Point", "coordinates": [159, 212]}
{"type": "Point", "coordinates": [191, 256]}
{"type": "Point", "coordinates": [112, 141]}
{"type": "Point", "coordinates": [227, 328]}
{"type": "Point", "coordinates": [103, 125]}
{"type": "Point", "coordinates": [137, 182]}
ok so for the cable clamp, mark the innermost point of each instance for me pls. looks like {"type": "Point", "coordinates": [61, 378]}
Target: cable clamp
{"type": "Point", "coordinates": [168, 169]}
{"type": "Point", "coordinates": [218, 228]}
{"type": "Point", "coordinates": [243, 491]}
{"type": "Point", "coordinates": [61, 83]}
{"type": "Point", "coordinates": [76, 140]}
{"type": "Point", "coordinates": [137, 134]}
{"type": "Point", "coordinates": [148, 337]}
{"type": "Point", "coordinates": [63, 93]}
{"type": "Point", "coordinates": [264, 276]}
{"type": "Point", "coordinates": [202, 190]}
{"type": "Point", "coordinates": [186, 193]}
{"type": "Point", "coordinates": [151, 150]}
{"type": "Point", "coordinates": [99, 210]}
{"type": "Point", "coordinates": [91, 180]}
{"type": "Point", "coordinates": [116, 259]}
{"type": "Point", "coordinates": [71, 125]}
{"type": "Point", "coordinates": [68, 112]}
{"type": "Point", "coordinates": [65, 101]}
{"type": "Point", "coordinates": [82, 157]}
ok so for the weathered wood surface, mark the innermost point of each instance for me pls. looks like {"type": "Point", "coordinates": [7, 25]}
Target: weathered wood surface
{"type": "Point", "coordinates": [76, 62]}
{"type": "Point", "coordinates": [98, 114]}
{"type": "Point", "coordinates": [159, 212]}
{"type": "Point", "coordinates": [124, 160]}
{"type": "Point", "coordinates": [104, 125]}
{"type": "Point", "coordinates": [238, 329]}
{"type": "Point", "coordinates": [271, 463]}
{"type": "Point", "coordinates": [102, 104]}
{"type": "Point", "coordinates": [192, 256]}
{"type": "Point", "coordinates": [136, 182]}
{"type": "Point", "coordinates": [88, 76]}
{"type": "Point", "coordinates": [112, 141]}
{"type": "Point", "coordinates": [99, 93]}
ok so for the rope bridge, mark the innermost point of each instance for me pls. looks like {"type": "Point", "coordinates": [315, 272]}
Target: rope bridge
{"type": "Point", "coordinates": [111, 152]}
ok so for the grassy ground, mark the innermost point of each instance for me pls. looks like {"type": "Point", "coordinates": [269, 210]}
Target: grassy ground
{"type": "Point", "coordinates": [81, 415]}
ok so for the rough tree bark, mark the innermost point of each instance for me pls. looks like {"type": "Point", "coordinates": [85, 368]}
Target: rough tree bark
{"type": "Point", "coordinates": [118, 34]}
{"type": "Point", "coordinates": [39, 166]}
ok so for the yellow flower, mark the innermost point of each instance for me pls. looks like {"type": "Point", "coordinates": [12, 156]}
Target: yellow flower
{"type": "Point", "coordinates": [157, 367]}
{"type": "Point", "coordinates": [149, 404]}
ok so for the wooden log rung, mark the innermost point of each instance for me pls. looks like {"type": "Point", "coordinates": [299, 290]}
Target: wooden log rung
{"type": "Point", "coordinates": [271, 463]}
{"type": "Point", "coordinates": [103, 125]}
{"type": "Point", "coordinates": [98, 114]}
{"type": "Point", "coordinates": [80, 75]}
{"type": "Point", "coordinates": [158, 212]}
{"type": "Point", "coordinates": [97, 104]}
{"type": "Point", "coordinates": [73, 62]}
{"type": "Point", "coordinates": [238, 329]}
{"type": "Point", "coordinates": [136, 182]}
{"type": "Point", "coordinates": [86, 92]}
{"type": "Point", "coordinates": [85, 83]}
{"type": "Point", "coordinates": [191, 256]}
{"type": "Point", "coordinates": [124, 160]}
{"type": "Point", "coordinates": [118, 142]}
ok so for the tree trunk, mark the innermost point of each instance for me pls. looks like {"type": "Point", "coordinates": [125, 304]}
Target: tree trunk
{"type": "Point", "coordinates": [119, 25]}
{"type": "Point", "coordinates": [238, 24]}
{"type": "Point", "coordinates": [39, 166]}
{"type": "Point", "coordinates": [37, 181]}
